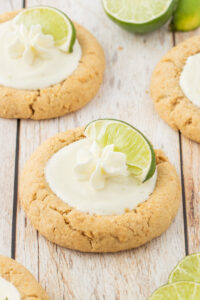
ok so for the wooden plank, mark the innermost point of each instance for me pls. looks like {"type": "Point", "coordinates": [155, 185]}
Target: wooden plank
{"type": "Point", "coordinates": [124, 94]}
{"type": "Point", "coordinates": [191, 163]}
{"type": "Point", "coordinates": [7, 157]}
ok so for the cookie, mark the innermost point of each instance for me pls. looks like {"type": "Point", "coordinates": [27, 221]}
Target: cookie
{"type": "Point", "coordinates": [70, 228]}
{"type": "Point", "coordinates": [22, 279]}
{"type": "Point", "coordinates": [170, 101]}
{"type": "Point", "coordinates": [62, 98]}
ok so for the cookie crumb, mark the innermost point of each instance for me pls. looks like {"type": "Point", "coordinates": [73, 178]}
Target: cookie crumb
{"type": "Point", "coordinates": [120, 48]}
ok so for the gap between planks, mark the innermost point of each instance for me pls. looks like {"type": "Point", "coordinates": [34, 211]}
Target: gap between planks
{"type": "Point", "coordinates": [16, 175]}
{"type": "Point", "coordinates": [182, 180]}
{"type": "Point", "coordinates": [14, 216]}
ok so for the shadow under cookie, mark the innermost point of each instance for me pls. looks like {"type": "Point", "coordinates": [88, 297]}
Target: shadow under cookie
{"type": "Point", "coordinates": [71, 228]}
{"type": "Point", "coordinates": [170, 101]}
{"type": "Point", "coordinates": [21, 279]}
{"type": "Point", "coordinates": [67, 96]}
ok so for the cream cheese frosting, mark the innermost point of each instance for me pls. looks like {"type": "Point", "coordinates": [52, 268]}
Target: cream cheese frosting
{"type": "Point", "coordinates": [95, 181]}
{"type": "Point", "coordinates": [29, 59]}
{"type": "Point", "coordinates": [97, 165]}
{"type": "Point", "coordinates": [8, 291]}
{"type": "Point", "coordinates": [30, 44]}
{"type": "Point", "coordinates": [190, 79]}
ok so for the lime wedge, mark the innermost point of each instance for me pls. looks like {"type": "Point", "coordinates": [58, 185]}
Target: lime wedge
{"type": "Point", "coordinates": [140, 156]}
{"type": "Point", "coordinates": [183, 290]}
{"type": "Point", "coordinates": [53, 22]}
{"type": "Point", "coordinates": [187, 15]}
{"type": "Point", "coordinates": [188, 269]}
{"type": "Point", "coordinates": [140, 16]}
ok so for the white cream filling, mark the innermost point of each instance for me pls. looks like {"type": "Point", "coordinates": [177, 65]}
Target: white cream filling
{"type": "Point", "coordinates": [30, 60]}
{"type": "Point", "coordinates": [120, 191]}
{"type": "Point", "coordinates": [98, 165]}
{"type": "Point", "coordinates": [190, 79]}
{"type": "Point", "coordinates": [8, 290]}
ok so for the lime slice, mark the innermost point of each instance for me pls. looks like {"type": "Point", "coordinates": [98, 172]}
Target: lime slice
{"type": "Point", "coordinates": [140, 16]}
{"type": "Point", "coordinates": [188, 269]}
{"type": "Point", "coordinates": [53, 22]}
{"type": "Point", "coordinates": [183, 290]}
{"type": "Point", "coordinates": [140, 156]}
{"type": "Point", "coordinates": [187, 15]}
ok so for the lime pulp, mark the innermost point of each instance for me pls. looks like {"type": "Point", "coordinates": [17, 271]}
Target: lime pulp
{"type": "Point", "coordinates": [183, 290]}
{"type": "Point", "coordinates": [188, 269]}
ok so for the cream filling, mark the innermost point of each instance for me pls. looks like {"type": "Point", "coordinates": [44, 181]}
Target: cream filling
{"type": "Point", "coordinates": [120, 192]}
{"type": "Point", "coordinates": [30, 60]}
{"type": "Point", "coordinates": [8, 290]}
{"type": "Point", "coordinates": [190, 79]}
{"type": "Point", "coordinates": [97, 165]}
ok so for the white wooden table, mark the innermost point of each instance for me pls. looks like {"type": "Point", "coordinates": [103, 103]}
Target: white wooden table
{"type": "Point", "coordinates": [125, 95]}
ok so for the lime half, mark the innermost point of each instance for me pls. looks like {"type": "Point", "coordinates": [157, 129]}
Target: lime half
{"type": "Point", "coordinates": [188, 269]}
{"type": "Point", "coordinates": [183, 290]}
{"type": "Point", "coordinates": [140, 16]}
{"type": "Point", "coordinates": [187, 15]}
{"type": "Point", "coordinates": [53, 22]}
{"type": "Point", "coordinates": [140, 156]}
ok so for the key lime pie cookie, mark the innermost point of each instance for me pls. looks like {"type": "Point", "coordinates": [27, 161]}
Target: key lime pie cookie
{"type": "Point", "coordinates": [48, 66]}
{"type": "Point", "coordinates": [175, 88]}
{"type": "Point", "coordinates": [17, 283]}
{"type": "Point", "coordinates": [100, 189]}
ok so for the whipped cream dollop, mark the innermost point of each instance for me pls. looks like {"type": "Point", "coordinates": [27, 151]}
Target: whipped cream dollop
{"type": "Point", "coordinates": [95, 181]}
{"type": "Point", "coordinates": [8, 290]}
{"type": "Point", "coordinates": [97, 165]}
{"type": "Point", "coordinates": [29, 59]}
{"type": "Point", "coordinates": [30, 43]}
{"type": "Point", "coordinates": [190, 79]}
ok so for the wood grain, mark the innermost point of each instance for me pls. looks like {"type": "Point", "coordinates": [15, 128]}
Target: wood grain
{"type": "Point", "coordinates": [124, 94]}
{"type": "Point", "coordinates": [191, 163]}
{"type": "Point", "coordinates": [7, 157]}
